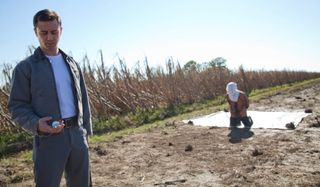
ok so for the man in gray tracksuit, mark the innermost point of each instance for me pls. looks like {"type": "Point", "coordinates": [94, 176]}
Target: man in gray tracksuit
{"type": "Point", "coordinates": [49, 99]}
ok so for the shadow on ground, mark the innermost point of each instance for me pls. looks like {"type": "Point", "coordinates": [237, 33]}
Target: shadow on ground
{"type": "Point", "coordinates": [237, 134]}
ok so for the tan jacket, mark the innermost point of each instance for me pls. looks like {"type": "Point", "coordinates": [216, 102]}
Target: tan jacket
{"type": "Point", "coordinates": [239, 108]}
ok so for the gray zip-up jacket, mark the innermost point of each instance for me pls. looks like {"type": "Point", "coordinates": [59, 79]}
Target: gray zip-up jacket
{"type": "Point", "coordinates": [33, 92]}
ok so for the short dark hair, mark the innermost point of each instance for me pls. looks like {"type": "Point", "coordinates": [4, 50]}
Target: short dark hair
{"type": "Point", "coordinates": [46, 15]}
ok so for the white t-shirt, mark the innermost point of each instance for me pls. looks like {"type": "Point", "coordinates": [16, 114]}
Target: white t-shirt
{"type": "Point", "coordinates": [64, 86]}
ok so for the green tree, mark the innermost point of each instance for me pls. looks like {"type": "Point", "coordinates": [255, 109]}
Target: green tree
{"type": "Point", "coordinates": [218, 62]}
{"type": "Point", "coordinates": [190, 66]}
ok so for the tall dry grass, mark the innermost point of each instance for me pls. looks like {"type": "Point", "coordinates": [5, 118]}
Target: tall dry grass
{"type": "Point", "coordinates": [6, 125]}
{"type": "Point", "coordinates": [116, 90]}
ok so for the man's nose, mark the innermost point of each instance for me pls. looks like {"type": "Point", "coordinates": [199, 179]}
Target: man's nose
{"type": "Point", "coordinates": [50, 36]}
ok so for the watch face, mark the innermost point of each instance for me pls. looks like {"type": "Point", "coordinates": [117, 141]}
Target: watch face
{"type": "Point", "coordinates": [55, 124]}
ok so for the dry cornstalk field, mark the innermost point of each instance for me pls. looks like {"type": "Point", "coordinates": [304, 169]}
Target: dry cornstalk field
{"type": "Point", "coordinates": [117, 90]}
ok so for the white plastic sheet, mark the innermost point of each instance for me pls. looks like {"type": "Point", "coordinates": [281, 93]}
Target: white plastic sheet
{"type": "Point", "coordinates": [277, 120]}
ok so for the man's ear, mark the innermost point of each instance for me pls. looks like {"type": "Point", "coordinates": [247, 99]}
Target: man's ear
{"type": "Point", "coordinates": [35, 31]}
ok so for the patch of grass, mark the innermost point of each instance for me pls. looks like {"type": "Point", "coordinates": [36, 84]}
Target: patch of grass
{"type": "Point", "coordinates": [121, 133]}
{"type": "Point", "coordinates": [257, 94]}
{"type": "Point", "coordinates": [11, 143]}
{"type": "Point", "coordinates": [23, 156]}
{"type": "Point", "coordinates": [184, 113]}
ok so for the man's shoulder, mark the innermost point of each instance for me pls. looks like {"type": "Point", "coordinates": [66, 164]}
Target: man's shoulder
{"type": "Point", "coordinates": [35, 56]}
{"type": "Point", "coordinates": [27, 61]}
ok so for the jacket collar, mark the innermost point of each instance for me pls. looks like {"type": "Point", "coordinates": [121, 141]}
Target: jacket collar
{"type": "Point", "coordinates": [39, 55]}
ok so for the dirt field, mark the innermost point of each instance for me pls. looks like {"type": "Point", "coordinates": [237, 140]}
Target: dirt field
{"type": "Point", "coordinates": [185, 155]}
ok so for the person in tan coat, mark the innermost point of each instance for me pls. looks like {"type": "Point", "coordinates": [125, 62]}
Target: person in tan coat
{"type": "Point", "coordinates": [238, 105]}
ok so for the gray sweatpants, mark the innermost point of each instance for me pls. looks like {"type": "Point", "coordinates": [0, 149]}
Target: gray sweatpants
{"type": "Point", "coordinates": [66, 151]}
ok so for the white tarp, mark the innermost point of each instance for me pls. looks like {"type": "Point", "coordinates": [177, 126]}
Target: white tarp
{"type": "Point", "coordinates": [260, 119]}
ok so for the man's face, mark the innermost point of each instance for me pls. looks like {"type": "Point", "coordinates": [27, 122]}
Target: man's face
{"type": "Point", "coordinates": [48, 33]}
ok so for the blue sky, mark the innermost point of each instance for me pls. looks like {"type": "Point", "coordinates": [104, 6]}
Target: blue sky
{"type": "Point", "coordinates": [259, 34]}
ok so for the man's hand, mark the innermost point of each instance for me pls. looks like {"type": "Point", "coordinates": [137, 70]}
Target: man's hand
{"type": "Point", "coordinates": [44, 127]}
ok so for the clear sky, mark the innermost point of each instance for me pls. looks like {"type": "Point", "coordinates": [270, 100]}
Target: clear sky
{"type": "Point", "coordinates": [259, 34]}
